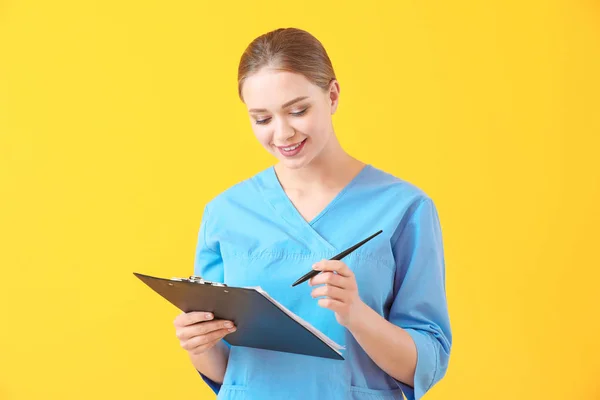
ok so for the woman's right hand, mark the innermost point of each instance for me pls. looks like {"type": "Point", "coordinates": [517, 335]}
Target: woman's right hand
{"type": "Point", "coordinates": [198, 332]}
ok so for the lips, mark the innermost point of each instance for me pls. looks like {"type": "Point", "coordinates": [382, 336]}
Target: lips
{"type": "Point", "coordinates": [290, 146]}
{"type": "Point", "coordinates": [294, 151]}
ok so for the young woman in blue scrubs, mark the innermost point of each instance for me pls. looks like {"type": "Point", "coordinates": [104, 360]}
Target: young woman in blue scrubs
{"type": "Point", "coordinates": [385, 302]}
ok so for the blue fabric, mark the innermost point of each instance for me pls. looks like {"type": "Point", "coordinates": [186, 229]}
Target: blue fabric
{"type": "Point", "coordinates": [212, 384]}
{"type": "Point", "coordinates": [252, 235]}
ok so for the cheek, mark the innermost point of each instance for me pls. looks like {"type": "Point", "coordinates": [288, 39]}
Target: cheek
{"type": "Point", "coordinates": [262, 135]}
{"type": "Point", "coordinates": [311, 126]}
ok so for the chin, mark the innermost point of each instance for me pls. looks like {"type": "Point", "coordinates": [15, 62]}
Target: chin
{"type": "Point", "coordinates": [295, 163]}
{"type": "Point", "coordinates": [304, 159]}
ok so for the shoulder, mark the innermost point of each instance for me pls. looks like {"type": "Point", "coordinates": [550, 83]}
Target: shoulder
{"type": "Point", "coordinates": [243, 192]}
{"type": "Point", "coordinates": [402, 202]}
{"type": "Point", "coordinates": [399, 190]}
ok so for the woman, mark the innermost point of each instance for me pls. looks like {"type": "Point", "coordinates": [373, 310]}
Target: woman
{"type": "Point", "coordinates": [385, 302]}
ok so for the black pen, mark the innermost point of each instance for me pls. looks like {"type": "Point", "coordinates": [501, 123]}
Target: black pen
{"type": "Point", "coordinates": [343, 254]}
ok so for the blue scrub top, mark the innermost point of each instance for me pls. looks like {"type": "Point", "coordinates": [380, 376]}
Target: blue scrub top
{"type": "Point", "coordinates": [252, 235]}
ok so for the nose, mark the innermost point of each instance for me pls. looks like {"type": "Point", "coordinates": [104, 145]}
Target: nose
{"type": "Point", "coordinates": [283, 132]}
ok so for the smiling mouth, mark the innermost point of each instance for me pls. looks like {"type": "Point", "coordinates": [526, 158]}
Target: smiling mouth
{"type": "Point", "coordinates": [292, 147]}
{"type": "Point", "coordinates": [293, 150]}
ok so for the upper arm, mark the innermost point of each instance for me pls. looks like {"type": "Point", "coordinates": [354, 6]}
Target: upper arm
{"type": "Point", "coordinates": [208, 262]}
{"type": "Point", "coordinates": [419, 304]}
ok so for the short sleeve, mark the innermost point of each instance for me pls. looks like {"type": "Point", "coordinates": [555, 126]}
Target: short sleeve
{"type": "Point", "coordinates": [420, 305]}
{"type": "Point", "coordinates": [209, 265]}
{"type": "Point", "coordinates": [207, 262]}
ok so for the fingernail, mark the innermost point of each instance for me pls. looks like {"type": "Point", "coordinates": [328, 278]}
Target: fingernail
{"type": "Point", "coordinates": [232, 330]}
{"type": "Point", "coordinates": [228, 324]}
{"type": "Point", "coordinates": [208, 316]}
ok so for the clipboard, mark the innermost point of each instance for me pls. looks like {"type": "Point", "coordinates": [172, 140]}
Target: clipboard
{"type": "Point", "coordinates": [261, 321]}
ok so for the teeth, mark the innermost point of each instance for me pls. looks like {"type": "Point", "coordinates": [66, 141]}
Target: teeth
{"type": "Point", "coordinates": [292, 148]}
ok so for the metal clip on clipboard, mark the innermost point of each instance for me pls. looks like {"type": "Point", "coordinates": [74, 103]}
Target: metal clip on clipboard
{"type": "Point", "coordinates": [198, 279]}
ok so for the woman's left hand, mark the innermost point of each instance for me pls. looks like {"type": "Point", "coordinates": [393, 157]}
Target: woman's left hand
{"type": "Point", "coordinates": [340, 291]}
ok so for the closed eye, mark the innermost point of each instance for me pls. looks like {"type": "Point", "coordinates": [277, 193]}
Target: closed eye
{"type": "Point", "coordinates": [296, 114]}
{"type": "Point", "coordinates": [299, 113]}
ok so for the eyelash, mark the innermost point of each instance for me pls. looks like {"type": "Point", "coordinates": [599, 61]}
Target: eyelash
{"type": "Point", "coordinates": [297, 114]}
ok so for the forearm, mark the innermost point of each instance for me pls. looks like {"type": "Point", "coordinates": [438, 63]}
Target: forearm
{"type": "Point", "coordinates": [388, 345]}
{"type": "Point", "coordinates": [213, 362]}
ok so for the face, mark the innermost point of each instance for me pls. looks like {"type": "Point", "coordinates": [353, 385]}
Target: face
{"type": "Point", "coordinates": [290, 116]}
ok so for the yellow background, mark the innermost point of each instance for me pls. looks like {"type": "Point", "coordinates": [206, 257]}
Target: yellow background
{"type": "Point", "coordinates": [119, 120]}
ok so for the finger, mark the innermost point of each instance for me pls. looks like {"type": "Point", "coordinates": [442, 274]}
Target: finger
{"type": "Point", "coordinates": [333, 265]}
{"type": "Point", "coordinates": [210, 336]}
{"type": "Point", "coordinates": [204, 347]}
{"type": "Point", "coordinates": [332, 279]}
{"type": "Point", "coordinates": [193, 317]}
{"type": "Point", "coordinates": [188, 332]}
{"type": "Point", "coordinates": [332, 292]}
{"type": "Point", "coordinates": [332, 304]}
{"type": "Point", "coordinates": [196, 343]}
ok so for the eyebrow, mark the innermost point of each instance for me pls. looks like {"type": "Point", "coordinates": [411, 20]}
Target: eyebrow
{"type": "Point", "coordinates": [289, 103]}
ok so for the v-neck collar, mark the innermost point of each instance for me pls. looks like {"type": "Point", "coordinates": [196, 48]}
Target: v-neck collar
{"type": "Point", "coordinates": [275, 194]}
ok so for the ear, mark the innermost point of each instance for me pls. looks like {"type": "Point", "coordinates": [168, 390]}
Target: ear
{"type": "Point", "coordinates": [334, 95]}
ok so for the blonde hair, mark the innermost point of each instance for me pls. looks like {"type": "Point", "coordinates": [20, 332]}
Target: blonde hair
{"type": "Point", "coordinates": [287, 49]}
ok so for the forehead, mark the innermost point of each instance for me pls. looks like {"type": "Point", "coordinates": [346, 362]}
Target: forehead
{"type": "Point", "coordinates": [270, 88]}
